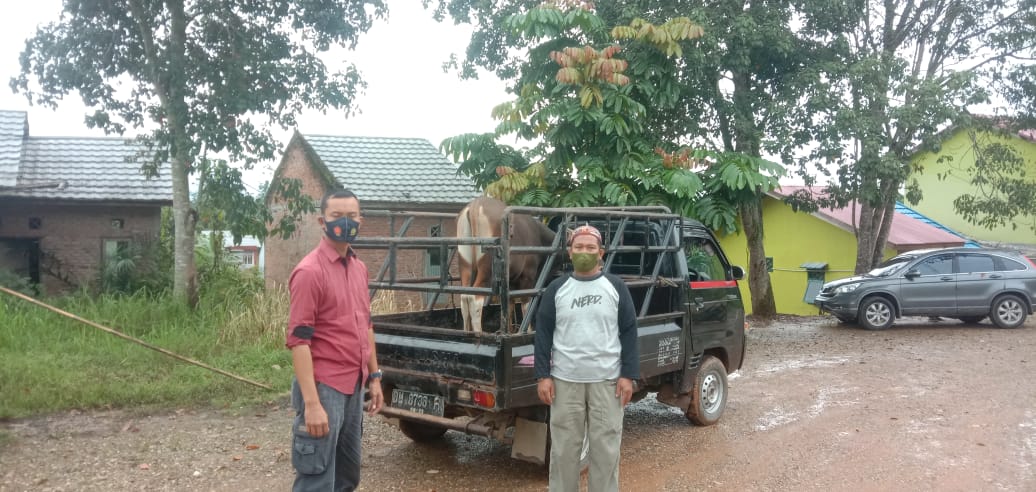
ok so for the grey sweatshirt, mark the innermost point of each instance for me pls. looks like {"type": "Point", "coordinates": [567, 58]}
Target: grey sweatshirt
{"type": "Point", "coordinates": [586, 330]}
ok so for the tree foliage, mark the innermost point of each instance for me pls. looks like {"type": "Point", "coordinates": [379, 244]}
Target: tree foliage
{"type": "Point", "coordinates": [904, 71]}
{"type": "Point", "coordinates": [197, 78]}
{"type": "Point", "coordinates": [722, 76]}
{"type": "Point", "coordinates": [1003, 191]}
{"type": "Point", "coordinates": [580, 101]}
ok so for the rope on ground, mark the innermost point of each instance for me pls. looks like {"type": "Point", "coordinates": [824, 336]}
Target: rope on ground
{"type": "Point", "coordinates": [132, 339]}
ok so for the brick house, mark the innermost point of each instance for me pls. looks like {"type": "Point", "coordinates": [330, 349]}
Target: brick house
{"type": "Point", "coordinates": [67, 203]}
{"type": "Point", "coordinates": [387, 174]}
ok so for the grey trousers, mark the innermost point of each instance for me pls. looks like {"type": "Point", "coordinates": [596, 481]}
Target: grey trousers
{"type": "Point", "coordinates": [580, 409]}
{"type": "Point", "coordinates": [332, 462]}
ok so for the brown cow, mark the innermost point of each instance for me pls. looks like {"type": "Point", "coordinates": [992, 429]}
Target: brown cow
{"type": "Point", "coordinates": [482, 218]}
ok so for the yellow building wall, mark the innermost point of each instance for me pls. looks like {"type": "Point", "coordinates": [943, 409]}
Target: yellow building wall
{"type": "Point", "coordinates": [791, 239]}
{"type": "Point", "coordinates": [939, 194]}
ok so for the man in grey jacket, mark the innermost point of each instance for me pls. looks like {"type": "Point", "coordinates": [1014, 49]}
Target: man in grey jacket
{"type": "Point", "coordinates": [586, 363]}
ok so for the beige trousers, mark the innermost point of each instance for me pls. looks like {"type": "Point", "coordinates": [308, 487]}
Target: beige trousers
{"type": "Point", "coordinates": [585, 409]}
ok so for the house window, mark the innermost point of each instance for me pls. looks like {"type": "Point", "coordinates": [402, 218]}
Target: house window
{"type": "Point", "coordinates": [113, 248]}
{"type": "Point", "coordinates": [246, 258]}
{"type": "Point", "coordinates": [118, 223]}
{"type": "Point", "coordinates": [434, 256]}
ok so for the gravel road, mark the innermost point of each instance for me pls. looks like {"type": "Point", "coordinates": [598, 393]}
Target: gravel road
{"type": "Point", "coordinates": [817, 406]}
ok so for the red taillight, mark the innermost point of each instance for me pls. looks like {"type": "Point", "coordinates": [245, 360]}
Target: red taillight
{"type": "Point", "coordinates": [1030, 261]}
{"type": "Point", "coordinates": [484, 399]}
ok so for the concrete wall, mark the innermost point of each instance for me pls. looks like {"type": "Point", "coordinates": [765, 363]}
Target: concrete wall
{"type": "Point", "coordinates": [71, 237]}
{"type": "Point", "coordinates": [943, 182]}
{"type": "Point", "coordinates": [791, 239]}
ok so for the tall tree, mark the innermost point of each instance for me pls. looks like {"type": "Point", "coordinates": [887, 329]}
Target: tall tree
{"type": "Point", "coordinates": [586, 116]}
{"type": "Point", "coordinates": [199, 77]}
{"type": "Point", "coordinates": [733, 94]}
{"type": "Point", "coordinates": [910, 68]}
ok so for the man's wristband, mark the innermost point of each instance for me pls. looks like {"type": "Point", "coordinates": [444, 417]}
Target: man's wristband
{"type": "Point", "coordinates": [374, 375]}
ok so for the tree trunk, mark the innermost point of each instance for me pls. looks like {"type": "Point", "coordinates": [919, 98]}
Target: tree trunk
{"type": "Point", "coordinates": [185, 274]}
{"type": "Point", "coordinates": [184, 271]}
{"type": "Point", "coordinates": [865, 237]}
{"type": "Point", "coordinates": [888, 212]}
{"type": "Point", "coordinates": [763, 304]}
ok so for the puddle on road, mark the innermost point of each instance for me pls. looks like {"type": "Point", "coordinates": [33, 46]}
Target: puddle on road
{"type": "Point", "coordinates": [788, 365]}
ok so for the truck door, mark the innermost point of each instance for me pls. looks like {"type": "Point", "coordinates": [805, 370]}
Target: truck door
{"type": "Point", "coordinates": [713, 298]}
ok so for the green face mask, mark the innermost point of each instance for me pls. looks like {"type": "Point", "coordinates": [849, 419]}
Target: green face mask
{"type": "Point", "coordinates": [584, 262]}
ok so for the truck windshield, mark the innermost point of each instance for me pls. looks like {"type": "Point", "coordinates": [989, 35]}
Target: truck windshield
{"type": "Point", "coordinates": [890, 267]}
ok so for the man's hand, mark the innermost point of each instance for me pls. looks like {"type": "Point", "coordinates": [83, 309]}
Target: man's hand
{"type": "Point", "coordinates": [545, 389]}
{"type": "Point", "coordinates": [316, 420]}
{"type": "Point", "coordinates": [624, 390]}
{"type": "Point", "coordinates": [377, 397]}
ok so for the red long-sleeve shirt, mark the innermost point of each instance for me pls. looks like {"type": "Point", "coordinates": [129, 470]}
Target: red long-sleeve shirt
{"type": "Point", "coordinates": [330, 312]}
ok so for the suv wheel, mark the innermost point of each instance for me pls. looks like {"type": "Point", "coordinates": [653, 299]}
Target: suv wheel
{"type": "Point", "coordinates": [709, 396]}
{"type": "Point", "coordinates": [1008, 312]}
{"type": "Point", "coordinates": [876, 313]}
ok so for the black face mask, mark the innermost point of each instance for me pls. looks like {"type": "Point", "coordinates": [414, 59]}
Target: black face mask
{"type": "Point", "coordinates": [342, 229]}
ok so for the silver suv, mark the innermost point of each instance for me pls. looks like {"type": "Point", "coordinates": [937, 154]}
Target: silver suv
{"type": "Point", "coordinates": [964, 283]}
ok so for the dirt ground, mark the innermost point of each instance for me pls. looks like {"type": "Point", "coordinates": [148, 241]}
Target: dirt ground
{"type": "Point", "coordinates": [817, 406]}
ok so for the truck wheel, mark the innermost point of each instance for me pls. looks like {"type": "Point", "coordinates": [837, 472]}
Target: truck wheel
{"type": "Point", "coordinates": [876, 313]}
{"type": "Point", "coordinates": [419, 432]}
{"type": "Point", "coordinates": [709, 396]}
{"type": "Point", "coordinates": [1008, 312]}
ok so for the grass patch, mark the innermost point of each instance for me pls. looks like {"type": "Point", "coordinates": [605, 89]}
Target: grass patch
{"type": "Point", "coordinates": [51, 363]}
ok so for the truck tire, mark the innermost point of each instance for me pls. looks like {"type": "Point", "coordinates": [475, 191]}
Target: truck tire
{"type": "Point", "coordinates": [1008, 311]}
{"type": "Point", "coordinates": [419, 432]}
{"type": "Point", "coordinates": [709, 396]}
{"type": "Point", "coordinates": [877, 313]}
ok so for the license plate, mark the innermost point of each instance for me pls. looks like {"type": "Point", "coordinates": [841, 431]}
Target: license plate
{"type": "Point", "coordinates": [418, 402]}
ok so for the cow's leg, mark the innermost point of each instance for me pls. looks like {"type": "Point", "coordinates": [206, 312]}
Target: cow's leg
{"type": "Point", "coordinates": [466, 260]}
{"type": "Point", "coordinates": [483, 270]}
{"type": "Point", "coordinates": [465, 299]}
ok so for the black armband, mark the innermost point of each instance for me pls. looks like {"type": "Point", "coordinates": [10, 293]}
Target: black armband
{"type": "Point", "coordinates": [304, 332]}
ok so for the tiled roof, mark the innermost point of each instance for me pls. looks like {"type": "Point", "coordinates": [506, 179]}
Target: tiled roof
{"type": "Point", "coordinates": [86, 169]}
{"type": "Point", "coordinates": [12, 133]}
{"type": "Point", "coordinates": [403, 170]}
{"type": "Point", "coordinates": [906, 233]}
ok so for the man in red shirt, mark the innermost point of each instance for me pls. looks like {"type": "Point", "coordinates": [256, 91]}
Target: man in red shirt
{"type": "Point", "coordinates": [332, 347]}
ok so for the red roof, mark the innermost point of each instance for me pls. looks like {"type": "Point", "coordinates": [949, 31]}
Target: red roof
{"type": "Point", "coordinates": [906, 233]}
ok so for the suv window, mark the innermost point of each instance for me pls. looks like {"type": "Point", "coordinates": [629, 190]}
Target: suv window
{"type": "Point", "coordinates": [936, 265]}
{"type": "Point", "coordinates": [1006, 265]}
{"type": "Point", "coordinates": [975, 263]}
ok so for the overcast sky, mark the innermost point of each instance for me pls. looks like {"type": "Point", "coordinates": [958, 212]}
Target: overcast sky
{"type": "Point", "coordinates": [407, 96]}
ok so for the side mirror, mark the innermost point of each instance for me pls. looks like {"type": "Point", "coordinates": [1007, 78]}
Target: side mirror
{"type": "Point", "coordinates": [912, 274]}
{"type": "Point", "coordinates": [738, 272]}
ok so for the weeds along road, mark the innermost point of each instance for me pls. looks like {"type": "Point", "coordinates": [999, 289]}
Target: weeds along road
{"type": "Point", "coordinates": [818, 406]}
